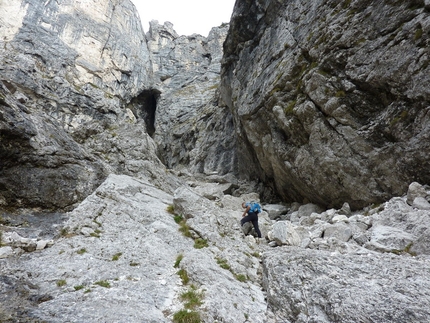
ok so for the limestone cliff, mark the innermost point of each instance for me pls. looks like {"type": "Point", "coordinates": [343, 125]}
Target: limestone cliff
{"type": "Point", "coordinates": [331, 98]}
{"type": "Point", "coordinates": [67, 70]}
{"type": "Point", "coordinates": [193, 128]}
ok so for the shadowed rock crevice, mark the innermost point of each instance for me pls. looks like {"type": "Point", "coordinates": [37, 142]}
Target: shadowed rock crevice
{"type": "Point", "coordinates": [144, 107]}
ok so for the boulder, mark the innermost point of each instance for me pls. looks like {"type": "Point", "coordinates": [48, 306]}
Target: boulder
{"type": "Point", "coordinates": [284, 234]}
{"type": "Point", "coordinates": [275, 211]}
{"type": "Point", "coordinates": [340, 231]}
{"type": "Point", "coordinates": [415, 190]}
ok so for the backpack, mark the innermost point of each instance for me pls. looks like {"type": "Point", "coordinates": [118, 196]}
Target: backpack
{"type": "Point", "coordinates": [255, 207]}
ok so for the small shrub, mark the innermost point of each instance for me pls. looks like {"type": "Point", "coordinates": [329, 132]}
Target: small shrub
{"type": "Point", "coordinates": [185, 316]}
{"type": "Point", "coordinates": [81, 251]}
{"type": "Point", "coordinates": [134, 264]}
{"type": "Point", "coordinates": [178, 260]}
{"type": "Point", "coordinates": [184, 276]}
{"type": "Point", "coordinates": [1, 238]}
{"type": "Point", "coordinates": [116, 256]}
{"type": "Point", "coordinates": [200, 243]}
{"type": "Point", "coordinates": [79, 287]}
{"type": "Point", "coordinates": [103, 283]}
{"type": "Point", "coordinates": [178, 218]}
{"type": "Point", "coordinates": [61, 283]}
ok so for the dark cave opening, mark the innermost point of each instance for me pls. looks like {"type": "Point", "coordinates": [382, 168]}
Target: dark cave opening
{"type": "Point", "coordinates": [144, 107]}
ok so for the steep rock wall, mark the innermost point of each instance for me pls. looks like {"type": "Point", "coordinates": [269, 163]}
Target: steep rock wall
{"type": "Point", "coordinates": [331, 98]}
{"type": "Point", "coordinates": [68, 71]}
{"type": "Point", "coordinates": [193, 128]}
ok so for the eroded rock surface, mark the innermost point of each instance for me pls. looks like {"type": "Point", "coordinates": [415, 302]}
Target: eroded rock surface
{"type": "Point", "coordinates": [331, 97]}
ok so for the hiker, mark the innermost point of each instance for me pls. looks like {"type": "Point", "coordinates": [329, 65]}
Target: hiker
{"type": "Point", "coordinates": [251, 215]}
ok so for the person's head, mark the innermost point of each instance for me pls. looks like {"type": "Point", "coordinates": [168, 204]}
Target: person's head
{"type": "Point", "coordinates": [243, 205]}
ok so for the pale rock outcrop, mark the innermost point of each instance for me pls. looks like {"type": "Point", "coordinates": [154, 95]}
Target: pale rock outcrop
{"type": "Point", "coordinates": [129, 260]}
{"type": "Point", "coordinates": [330, 98]}
{"type": "Point", "coordinates": [305, 285]}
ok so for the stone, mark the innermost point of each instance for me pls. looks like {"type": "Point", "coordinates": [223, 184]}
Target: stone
{"type": "Point", "coordinates": [339, 218]}
{"type": "Point", "coordinates": [6, 252]}
{"type": "Point", "coordinates": [415, 190]}
{"type": "Point", "coordinates": [391, 237]}
{"type": "Point", "coordinates": [307, 209]}
{"type": "Point", "coordinates": [275, 211]}
{"type": "Point", "coordinates": [421, 203]}
{"type": "Point", "coordinates": [345, 210]}
{"type": "Point", "coordinates": [284, 234]}
{"type": "Point", "coordinates": [339, 230]}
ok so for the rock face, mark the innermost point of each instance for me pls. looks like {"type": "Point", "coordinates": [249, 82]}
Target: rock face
{"type": "Point", "coordinates": [331, 98]}
{"type": "Point", "coordinates": [77, 96]}
{"type": "Point", "coordinates": [193, 128]}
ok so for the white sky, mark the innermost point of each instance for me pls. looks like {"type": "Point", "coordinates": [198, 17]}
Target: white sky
{"type": "Point", "coordinates": [187, 16]}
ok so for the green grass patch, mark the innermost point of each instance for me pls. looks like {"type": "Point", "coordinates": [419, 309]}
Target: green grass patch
{"type": "Point", "coordinates": [200, 243]}
{"type": "Point", "coordinates": [178, 260]}
{"type": "Point", "coordinates": [81, 251]}
{"type": "Point", "coordinates": [116, 256]}
{"type": "Point", "coordinates": [184, 228]}
{"type": "Point", "coordinates": [103, 283]}
{"type": "Point", "coordinates": [192, 299]}
{"type": "Point", "coordinates": [185, 316]}
{"type": "Point", "coordinates": [78, 287]}
{"type": "Point", "coordinates": [61, 283]}
{"type": "Point", "coordinates": [223, 263]}
{"type": "Point", "coordinates": [170, 209]}
{"type": "Point", "coordinates": [240, 277]}
{"type": "Point", "coordinates": [95, 234]}
{"type": "Point", "coordinates": [184, 276]}
{"type": "Point", "coordinates": [178, 218]}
